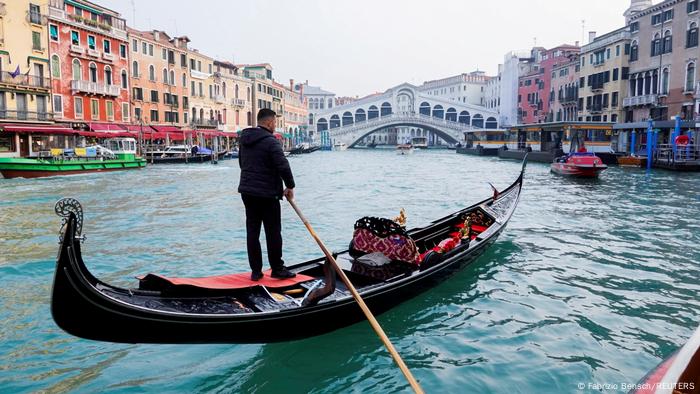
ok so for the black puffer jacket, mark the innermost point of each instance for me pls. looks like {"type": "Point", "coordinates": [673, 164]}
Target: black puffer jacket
{"type": "Point", "coordinates": [263, 165]}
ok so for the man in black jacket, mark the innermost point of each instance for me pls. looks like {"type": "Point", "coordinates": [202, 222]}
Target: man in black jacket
{"type": "Point", "coordinates": [263, 168]}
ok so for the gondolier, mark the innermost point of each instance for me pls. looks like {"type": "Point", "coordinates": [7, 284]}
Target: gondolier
{"type": "Point", "coordinates": [263, 170]}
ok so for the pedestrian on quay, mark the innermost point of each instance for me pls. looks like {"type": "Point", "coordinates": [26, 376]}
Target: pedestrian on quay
{"type": "Point", "coordinates": [263, 170]}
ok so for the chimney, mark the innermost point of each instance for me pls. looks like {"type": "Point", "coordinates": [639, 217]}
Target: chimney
{"type": "Point", "coordinates": [291, 84]}
{"type": "Point", "coordinates": [156, 35]}
{"type": "Point", "coordinates": [576, 43]}
{"type": "Point", "coordinates": [591, 36]}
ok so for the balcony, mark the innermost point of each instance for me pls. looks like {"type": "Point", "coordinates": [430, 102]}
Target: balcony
{"type": "Point", "coordinates": [238, 102]}
{"type": "Point", "coordinates": [205, 122]}
{"type": "Point", "coordinates": [26, 115]}
{"type": "Point", "coordinates": [93, 52]}
{"type": "Point", "coordinates": [108, 57]}
{"type": "Point", "coordinates": [36, 18]}
{"type": "Point", "coordinates": [219, 99]}
{"type": "Point", "coordinates": [199, 75]}
{"type": "Point", "coordinates": [649, 99]}
{"type": "Point", "coordinates": [595, 109]}
{"type": "Point", "coordinates": [94, 88]}
{"type": "Point", "coordinates": [24, 80]}
{"type": "Point", "coordinates": [115, 27]}
{"type": "Point", "coordinates": [77, 49]}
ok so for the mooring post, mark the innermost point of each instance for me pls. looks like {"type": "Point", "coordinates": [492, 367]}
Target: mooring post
{"type": "Point", "coordinates": [650, 133]}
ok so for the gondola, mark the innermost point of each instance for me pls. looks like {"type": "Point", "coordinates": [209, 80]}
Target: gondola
{"type": "Point", "coordinates": [203, 310]}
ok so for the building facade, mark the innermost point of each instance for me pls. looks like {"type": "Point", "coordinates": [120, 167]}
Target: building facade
{"type": "Point", "coordinates": [564, 93]}
{"type": "Point", "coordinates": [492, 93]}
{"type": "Point", "coordinates": [159, 80]}
{"type": "Point", "coordinates": [663, 62]}
{"type": "Point", "coordinates": [466, 88]}
{"type": "Point", "coordinates": [266, 93]}
{"type": "Point", "coordinates": [604, 73]}
{"type": "Point", "coordinates": [206, 109]}
{"type": "Point", "coordinates": [515, 64]}
{"type": "Point", "coordinates": [90, 61]}
{"type": "Point", "coordinates": [296, 114]}
{"type": "Point", "coordinates": [237, 93]}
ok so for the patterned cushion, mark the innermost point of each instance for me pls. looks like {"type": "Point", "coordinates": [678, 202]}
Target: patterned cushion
{"type": "Point", "coordinates": [385, 236]}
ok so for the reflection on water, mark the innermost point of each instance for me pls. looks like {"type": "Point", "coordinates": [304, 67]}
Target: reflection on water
{"type": "Point", "coordinates": [593, 281]}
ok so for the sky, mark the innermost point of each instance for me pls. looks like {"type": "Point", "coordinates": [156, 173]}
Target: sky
{"type": "Point", "coordinates": [358, 47]}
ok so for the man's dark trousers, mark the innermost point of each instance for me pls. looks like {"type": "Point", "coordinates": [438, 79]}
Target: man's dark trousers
{"type": "Point", "coordinates": [265, 211]}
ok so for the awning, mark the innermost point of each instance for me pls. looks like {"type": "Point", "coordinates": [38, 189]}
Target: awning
{"type": "Point", "coordinates": [166, 129]}
{"type": "Point", "coordinates": [175, 136]}
{"type": "Point", "coordinates": [58, 130]}
{"type": "Point", "coordinates": [106, 127]}
{"type": "Point", "coordinates": [107, 134]}
{"type": "Point", "coordinates": [137, 128]}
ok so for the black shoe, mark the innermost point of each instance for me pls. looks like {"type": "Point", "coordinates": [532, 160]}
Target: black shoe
{"type": "Point", "coordinates": [282, 273]}
{"type": "Point", "coordinates": [256, 276]}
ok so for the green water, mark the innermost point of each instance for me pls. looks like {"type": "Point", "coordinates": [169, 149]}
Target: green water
{"type": "Point", "coordinates": [593, 282]}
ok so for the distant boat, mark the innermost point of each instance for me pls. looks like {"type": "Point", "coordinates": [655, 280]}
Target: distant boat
{"type": "Point", "coordinates": [339, 146]}
{"type": "Point", "coordinates": [178, 154]}
{"type": "Point", "coordinates": [372, 145]}
{"type": "Point", "coordinates": [581, 164]}
{"type": "Point", "coordinates": [419, 142]}
{"type": "Point", "coordinates": [404, 149]}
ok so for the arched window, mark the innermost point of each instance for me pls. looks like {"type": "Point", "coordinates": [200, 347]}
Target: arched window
{"type": "Point", "coordinates": [235, 91]}
{"type": "Point", "coordinates": [690, 77]}
{"type": "Point", "coordinates": [335, 121]}
{"type": "Point", "coordinates": [311, 119]}
{"type": "Point", "coordinates": [424, 108]}
{"type": "Point", "coordinates": [385, 109]}
{"type": "Point", "coordinates": [360, 115]}
{"type": "Point", "coordinates": [665, 80]}
{"type": "Point", "coordinates": [93, 72]}
{"type": "Point", "coordinates": [655, 82]}
{"type": "Point", "coordinates": [124, 80]}
{"type": "Point", "coordinates": [322, 125]}
{"type": "Point", "coordinates": [108, 75]}
{"type": "Point", "coordinates": [135, 69]}
{"type": "Point", "coordinates": [151, 73]}
{"type": "Point", "coordinates": [373, 112]}
{"type": "Point", "coordinates": [184, 80]}
{"type": "Point", "coordinates": [223, 89]}
{"type": "Point", "coordinates": [438, 112]}
{"type": "Point", "coordinates": [668, 42]}
{"type": "Point", "coordinates": [464, 117]}
{"type": "Point", "coordinates": [492, 123]}
{"type": "Point", "coordinates": [77, 70]}
{"type": "Point", "coordinates": [478, 121]}
{"type": "Point", "coordinates": [347, 119]}
{"type": "Point", "coordinates": [634, 51]}
{"type": "Point", "coordinates": [451, 114]}
{"type": "Point", "coordinates": [656, 45]}
{"type": "Point", "coordinates": [248, 96]}
{"type": "Point", "coordinates": [165, 76]}
{"type": "Point", "coordinates": [55, 67]}
{"type": "Point", "coordinates": [691, 39]}
{"type": "Point", "coordinates": [172, 77]}
{"type": "Point", "coordinates": [647, 83]}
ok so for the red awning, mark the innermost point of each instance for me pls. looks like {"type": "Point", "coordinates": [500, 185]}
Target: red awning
{"type": "Point", "coordinates": [106, 127]}
{"type": "Point", "coordinates": [61, 130]}
{"type": "Point", "coordinates": [107, 134]}
{"type": "Point", "coordinates": [178, 136]}
{"type": "Point", "coordinates": [137, 128]}
{"type": "Point", "coordinates": [166, 129]}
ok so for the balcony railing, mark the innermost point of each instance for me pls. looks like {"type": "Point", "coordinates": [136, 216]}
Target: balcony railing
{"type": "Point", "coordinates": [113, 26]}
{"type": "Point", "coordinates": [649, 99]}
{"type": "Point", "coordinates": [205, 122]}
{"type": "Point", "coordinates": [697, 90]}
{"type": "Point", "coordinates": [34, 81]}
{"type": "Point", "coordinates": [595, 109]}
{"type": "Point", "coordinates": [36, 18]}
{"type": "Point", "coordinates": [198, 74]}
{"type": "Point", "coordinates": [238, 102]}
{"type": "Point", "coordinates": [25, 115]}
{"type": "Point", "coordinates": [94, 88]}
{"type": "Point", "coordinates": [219, 99]}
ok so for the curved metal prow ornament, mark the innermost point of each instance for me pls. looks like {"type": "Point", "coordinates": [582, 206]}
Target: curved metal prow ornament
{"type": "Point", "coordinates": [64, 207]}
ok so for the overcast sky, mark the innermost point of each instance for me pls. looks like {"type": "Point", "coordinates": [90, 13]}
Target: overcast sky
{"type": "Point", "coordinates": [357, 47]}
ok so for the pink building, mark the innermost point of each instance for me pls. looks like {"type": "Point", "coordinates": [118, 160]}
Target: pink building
{"type": "Point", "coordinates": [534, 86]}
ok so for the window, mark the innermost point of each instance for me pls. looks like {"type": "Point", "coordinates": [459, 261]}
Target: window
{"type": "Point", "coordinates": [183, 60]}
{"type": "Point", "coordinates": [691, 39]}
{"type": "Point", "coordinates": [634, 51]}
{"type": "Point", "coordinates": [690, 77]}
{"type": "Point", "coordinates": [78, 105]}
{"type": "Point", "coordinates": [165, 54]}
{"type": "Point", "coordinates": [617, 50]}
{"type": "Point", "coordinates": [150, 49]}
{"type": "Point", "coordinates": [151, 73]}
{"type": "Point", "coordinates": [110, 109]}
{"type": "Point", "coordinates": [172, 77]}
{"type": "Point", "coordinates": [656, 19]}
{"type": "Point", "coordinates": [201, 90]}
{"type": "Point", "coordinates": [107, 46]}
{"type": "Point", "coordinates": [154, 96]}
{"type": "Point", "coordinates": [135, 73]}
{"type": "Point", "coordinates": [58, 105]}
{"type": "Point", "coordinates": [668, 42]}
{"type": "Point", "coordinates": [53, 32]}
{"type": "Point", "coordinates": [667, 16]}
{"type": "Point", "coordinates": [192, 90]}
{"type": "Point", "coordinates": [154, 115]}
{"type": "Point", "coordinates": [124, 80]}
{"type": "Point", "coordinates": [91, 42]}
{"type": "Point", "coordinates": [134, 46]}
{"type": "Point", "coordinates": [108, 75]}
{"type": "Point", "coordinates": [93, 72]}
{"type": "Point", "coordinates": [125, 112]}
{"type": "Point", "coordinates": [210, 70]}
{"type": "Point", "coordinates": [36, 41]}
{"type": "Point", "coordinates": [165, 76]}
{"type": "Point", "coordinates": [74, 37]}
{"type": "Point", "coordinates": [144, 48]}
{"type": "Point", "coordinates": [692, 6]}
{"type": "Point", "coordinates": [77, 70]}
{"type": "Point", "coordinates": [55, 67]}
{"type": "Point", "coordinates": [95, 109]}
{"type": "Point", "coordinates": [137, 113]}
{"type": "Point", "coordinates": [614, 100]}
{"type": "Point", "coordinates": [607, 53]}
{"type": "Point", "coordinates": [122, 51]}
{"type": "Point", "coordinates": [656, 45]}
{"type": "Point", "coordinates": [34, 14]}
{"type": "Point", "coordinates": [138, 94]}
{"type": "Point", "coordinates": [634, 26]}
{"type": "Point", "coordinates": [616, 73]}
{"type": "Point", "coordinates": [171, 57]}
{"type": "Point", "coordinates": [184, 80]}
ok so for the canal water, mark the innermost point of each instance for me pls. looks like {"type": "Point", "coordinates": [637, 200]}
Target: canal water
{"type": "Point", "coordinates": [592, 283]}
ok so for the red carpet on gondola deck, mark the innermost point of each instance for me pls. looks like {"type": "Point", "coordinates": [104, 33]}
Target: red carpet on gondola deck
{"type": "Point", "coordinates": [235, 281]}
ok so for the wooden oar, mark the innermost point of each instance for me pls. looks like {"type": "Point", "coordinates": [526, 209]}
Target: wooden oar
{"type": "Point", "coordinates": [372, 320]}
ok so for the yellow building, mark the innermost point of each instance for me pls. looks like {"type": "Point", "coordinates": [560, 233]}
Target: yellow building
{"type": "Point", "coordinates": [25, 82]}
{"type": "Point", "coordinates": [206, 104]}
{"type": "Point", "coordinates": [266, 93]}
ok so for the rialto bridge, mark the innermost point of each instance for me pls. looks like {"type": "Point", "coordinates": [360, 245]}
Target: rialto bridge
{"type": "Point", "coordinates": [403, 105]}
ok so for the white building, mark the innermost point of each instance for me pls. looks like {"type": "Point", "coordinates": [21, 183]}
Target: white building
{"type": "Point", "coordinates": [515, 64]}
{"type": "Point", "coordinates": [492, 93]}
{"type": "Point", "coordinates": [466, 88]}
{"type": "Point", "coordinates": [318, 100]}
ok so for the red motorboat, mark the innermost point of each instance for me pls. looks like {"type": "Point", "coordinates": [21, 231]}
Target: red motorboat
{"type": "Point", "coordinates": [582, 164]}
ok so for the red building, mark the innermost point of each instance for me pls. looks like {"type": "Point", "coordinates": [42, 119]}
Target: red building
{"type": "Point", "coordinates": [89, 64]}
{"type": "Point", "coordinates": [535, 85]}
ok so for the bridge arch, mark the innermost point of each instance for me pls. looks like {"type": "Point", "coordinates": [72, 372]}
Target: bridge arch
{"type": "Point", "coordinates": [424, 108]}
{"type": "Point", "coordinates": [451, 114]}
{"type": "Point", "coordinates": [348, 118]}
{"type": "Point", "coordinates": [440, 133]}
{"type": "Point", "coordinates": [464, 117]}
{"type": "Point", "coordinates": [385, 109]}
{"type": "Point", "coordinates": [438, 112]}
{"type": "Point", "coordinates": [360, 115]}
{"type": "Point", "coordinates": [478, 121]}
{"type": "Point", "coordinates": [322, 124]}
{"type": "Point", "coordinates": [335, 122]}
{"type": "Point", "coordinates": [373, 112]}
{"type": "Point", "coordinates": [492, 123]}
